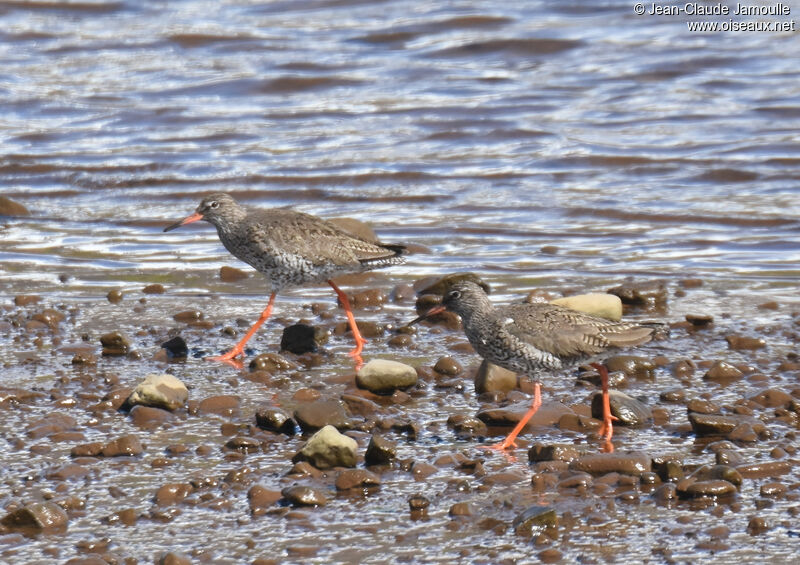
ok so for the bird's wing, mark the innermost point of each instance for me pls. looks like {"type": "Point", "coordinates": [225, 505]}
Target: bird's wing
{"type": "Point", "coordinates": [568, 333]}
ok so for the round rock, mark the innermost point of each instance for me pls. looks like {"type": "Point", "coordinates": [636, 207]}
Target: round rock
{"type": "Point", "coordinates": [328, 448]}
{"type": "Point", "coordinates": [383, 376]}
{"type": "Point", "coordinates": [160, 391]}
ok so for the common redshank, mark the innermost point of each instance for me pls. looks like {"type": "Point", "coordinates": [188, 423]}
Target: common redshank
{"type": "Point", "coordinates": [535, 338]}
{"type": "Point", "coordinates": [291, 249]}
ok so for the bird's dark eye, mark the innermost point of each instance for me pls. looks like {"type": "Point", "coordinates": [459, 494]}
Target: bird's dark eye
{"type": "Point", "coordinates": [454, 295]}
{"type": "Point", "coordinates": [213, 204]}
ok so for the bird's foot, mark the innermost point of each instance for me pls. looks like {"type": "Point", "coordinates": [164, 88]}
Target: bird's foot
{"type": "Point", "coordinates": [229, 358]}
{"type": "Point", "coordinates": [607, 428]}
{"type": "Point", "coordinates": [356, 352]}
{"type": "Point", "coordinates": [502, 446]}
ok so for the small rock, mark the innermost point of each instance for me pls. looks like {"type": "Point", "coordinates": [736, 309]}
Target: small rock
{"type": "Point", "coordinates": [380, 451]}
{"type": "Point", "coordinates": [160, 391]}
{"type": "Point", "coordinates": [123, 446]}
{"type": "Point", "coordinates": [597, 464]}
{"type": "Point", "coordinates": [176, 348]}
{"type": "Point", "coordinates": [302, 338]}
{"type": "Point", "coordinates": [37, 517]}
{"type": "Point", "coordinates": [366, 299]}
{"type": "Point", "coordinates": [548, 414]}
{"type": "Point", "coordinates": [260, 498]}
{"type": "Point", "coordinates": [448, 366]}
{"type": "Point", "coordinates": [631, 366]}
{"type": "Point", "coordinates": [275, 420]}
{"type": "Point", "coordinates": [188, 316]}
{"type": "Point", "coordinates": [328, 448]}
{"type": "Point", "coordinates": [26, 299]}
{"type": "Point", "coordinates": [717, 424]}
{"type": "Point", "coordinates": [418, 504]}
{"type": "Point", "coordinates": [154, 288]}
{"type": "Point", "coordinates": [383, 376]}
{"type": "Point", "coordinates": [222, 405]}
{"type": "Point", "coordinates": [172, 493]}
{"type": "Point", "coordinates": [541, 452]}
{"type": "Point", "coordinates": [602, 305]}
{"type": "Point", "coordinates": [173, 558]}
{"type": "Point", "coordinates": [467, 427]}
{"type": "Point", "coordinates": [702, 406]}
{"type": "Point", "coordinates": [628, 410]}
{"type": "Point", "coordinates": [723, 372]}
{"type": "Point", "coordinates": [534, 520]}
{"type": "Point", "coordinates": [304, 496]}
{"type": "Point", "coordinates": [493, 378]}
{"type": "Point", "coordinates": [115, 344]}
{"type": "Point", "coordinates": [231, 274]}
{"type": "Point", "coordinates": [357, 478]}
{"type": "Point", "coordinates": [461, 509]}
{"type": "Point", "coordinates": [114, 296]}
{"type": "Point", "coordinates": [272, 363]}
{"type": "Point", "coordinates": [648, 294]}
{"type": "Point", "coordinates": [773, 489]}
{"type": "Point", "coordinates": [700, 320]}
{"type": "Point", "coordinates": [692, 488]}
{"type": "Point", "coordinates": [739, 342]}
{"type": "Point", "coordinates": [148, 418]}
{"type": "Point", "coordinates": [9, 207]}
{"type": "Point", "coordinates": [757, 525]}
{"type": "Point", "coordinates": [772, 398]}
{"type": "Point", "coordinates": [315, 415]}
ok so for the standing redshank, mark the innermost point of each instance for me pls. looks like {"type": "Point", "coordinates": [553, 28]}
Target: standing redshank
{"type": "Point", "coordinates": [537, 337]}
{"type": "Point", "coordinates": [291, 249]}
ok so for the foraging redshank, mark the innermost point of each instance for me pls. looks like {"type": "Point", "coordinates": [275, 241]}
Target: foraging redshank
{"type": "Point", "coordinates": [291, 249]}
{"type": "Point", "coordinates": [538, 337]}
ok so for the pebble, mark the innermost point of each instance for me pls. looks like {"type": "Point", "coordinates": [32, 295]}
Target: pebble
{"type": "Point", "coordinates": [10, 207]}
{"type": "Point", "coordinates": [276, 420]}
{"type": "Point", "coordinates": [723, 372]}
{"type": "Point", "coordinates": [534, 520]}
{"type": "Point", "coordinates": [357, 478]}
{"type": "Point", "coordinates": [461, 509]}
{"type": "Point", "coordinates": [772, 398]}
{"type": "Point", "coordinates": [383, 376]}
{"type": "Point", "coordinates": [304, 496]}
{"type": "Point", "coordinates": [692, 488]}
{"type": "Point", "coordinates": [493, 378]}
{"type": "Point", "coordinates": [328, 448]}
{"type": "Point", "coordinates": [757, 525]}
{"type": "Point", "coordinates": [128, 445]}
{"type": "Point", "coordinates": [176, 348]}
{"type": "Point", "coordinates": [148, 418]}
{"type": "Point", "coordinates": [114, 296]}
{"type": "Point", "coordinates": [160, 391]}
{"type": "Point", "coordinates": [303, 338]}
{"type": "Point", "coordinates": [172, 493]}
{"type": "Point", "coordinates": [603, 305]}
{"type": "Point", "coordinates": [115, 344]}
{"type": "Point", "coordinates": [542, 452]}
{"type": "Point", "coordinates": [231, 274]}
{"type": "Point", "coordinates": [467, 427]}
{"type": "Point", "coordinates": [222, 405]}
{"type": "Point", "coordinates": [46, 517]}
{"type": "Point", "coordinates": [717, 424]}
{"type": "Point", "coordinates": [647, 294]}
{"type": "Point", "coordinates": [380, 451]}
{"type": "Point", "coordinates": [739, 342]}
{"type": "Point", "coordinates": [634, 463]}
{"type": "Point", "coordinates": [448, 366]}
{"type": "Point", "coordinates": [628, 410]}
{"type": "Point", "coordinates": [154, 288]}
{"type": "Point", "coordinates": [272, 363]}
{"type": "Point", "coordinates": [548, 414]}
{"type": "Point", "coordinates": [312, 416]}
{"type": "Point", "coordinates": [260, 498]}
{"type": "Point", "coordinates": [700, 320]}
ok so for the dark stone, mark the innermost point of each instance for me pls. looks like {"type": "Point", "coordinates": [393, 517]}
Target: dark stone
{"type": "Point", "coordinates": [692, 488]}
{"type": "Point", "coordinates": [740, 342]}
{"type": "Point", "coordinates": [222, 405]}
{"type": "Point", "coordinates": [380, 451]}
{"type": "Point", "coordinates": [541, 452]}
{"type": "Point", "coordinates": [304, 496]}
{"type": "Point", "coordinates": [302, 338]}
{"type": "Point", "coordinates": [700, 320]}
{"type": "Point", "coordinates": [702, 406]}
{"type": "Point", "coordinates": [648, 294]}
{"type": "Point", "coordinates": [115, 344]}
{"type": "Point", "coordinates": [628, 410]}
{"type": "Point", "coordinates": [154, 288]}
{"type": "Point", "coordinates": [123, 446]}
{"type": "Point", "coordinates": [176, 348]}
{"type": "Point", "coordinates": [716, 424]}
{"type": "Point", "coordinates": [272, 363]}
{"type": "Point", "coordinates": [275, 420]}
{"type": "Point", "coordinates": [631, 365]}
{"type": "Point", "coordinates": [722, 372]}
{"type": "Point", "coordinates": [315, 415]}
{"type": "Point", "coordinates": [357, 478]}
{"type": "Point", "coordinates": [37, 517]}
{"type": "Point", "coordinates": [534, 520]}
{"type": "Point", "coordinates": [467, 427]}
{"type": "Point", "coordinates": [603, 463]}
{"type": "Point", "coordinates": [448, 366]}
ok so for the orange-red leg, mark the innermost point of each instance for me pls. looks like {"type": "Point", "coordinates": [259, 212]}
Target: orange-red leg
{"type": "Point", "coordinates": [360, 341]}
{"type": "Point", "coordinates": [537, 403]}
{"type": "Point", "coordinates": [238, 349]}
{"type": "Point", "coordinates": [607, 429]}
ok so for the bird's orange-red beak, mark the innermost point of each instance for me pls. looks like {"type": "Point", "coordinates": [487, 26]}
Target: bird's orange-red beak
{"type": "Point", "coordinates": [432, 312]}
{"type": "Point", "coordinates": [188, 220]}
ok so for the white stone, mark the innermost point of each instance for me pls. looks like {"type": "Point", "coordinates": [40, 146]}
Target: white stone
{"type": "Point", "coordinates": [160, 391]}
{"type": "Point", "coordinates": [328, 448]}
{"type": "Point", "coordinates": [598, 304]}
{"type": "Point", "coordinates": [383, 376]}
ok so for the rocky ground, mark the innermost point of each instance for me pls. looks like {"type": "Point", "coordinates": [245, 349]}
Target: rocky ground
{"type": "Point", "coordinates": [123, 446]}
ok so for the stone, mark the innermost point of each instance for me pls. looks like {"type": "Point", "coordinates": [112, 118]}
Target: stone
{"type": "Point", "coordinates": [160, 391]}
{"type": "Point", "coordinates": [312, 416]}
{"type": "Point", "coordinates": [493, 378]}
{"type": "Point", "coordinates": [272, 363]}
{"type": "Point", "coordinates": [222, 405]}
{"type": "Point", "coordinates": [231, 274]}
{"type": "Point", "coordinates": [548, 414]}
{"type": "Point", "coordinates": [596, 464]}
{"type": "Point", "coordinates": [37, 517]}
{"type": "Point", "coordinates": [275, 420]}
{"type": "Point", "coordinates": [628, 410]}
{"type": "Point", "coordinates": [304, 496]}
{"type": "Point", "coordinates": [357, 478]}
{"type": "Point", "coordinates": [448, 366]}
{"type": "Point", "coordinates": [172, 493]}
{"type": "Point", "coordinates": [700, 320]}
{"type": "Point", "coordinates": [541, 452]}
{"type": "Point", "coordinates": [717, 424]}
{"type": "Point", "coordinates": [467, 427]}
{"type": "Point", "coordinates": [383, 376]}
{"type": "Point", "coordinates": [772, 398]}
{"type": "Point", "coordinates": [303, 338]}
{"type": "Point", "coordinates": [534, 520]}
{"type": "Point", "coordinates": [380, 451]}
{"type": "Point", "coordinates": [739, 342]}
{"type": "Point", "coordinates": [154, 288]}
{"type": "Point", "coordinates": [148, 418]}
{"type": "Point", "coordinates": [647, 294]}
{"type": "Point", "coordinates": [9, 207]}
{"type": "Point", "coordinates": [722, 372]}
{"type": "Point", "coordinates": [631, 366]}
{"type": "Point", "coordinates": [176, 348]}
{"type": "Point", "coordinates": [702, 406]}
{"type": "Point", "coordinates": [128, 445]}
{"type": "Point", "coordinates": [692, 488]}
{"type": "Point", "coordinates": [115, 344]}
{"type": "Point", "coordinates": [328, 448]}
{"type": "Point", "coordinates": [188, 316]}
{"type": "Point", "coordinates": [603, 305]}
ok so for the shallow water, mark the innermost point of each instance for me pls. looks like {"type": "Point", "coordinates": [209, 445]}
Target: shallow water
{"type": "Point", "coordinates": [564, 146]}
